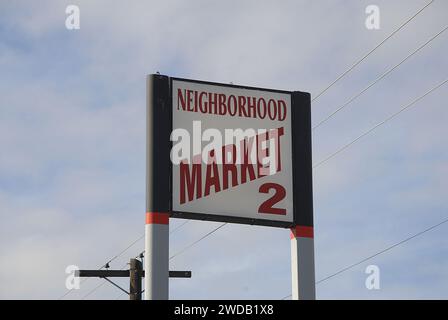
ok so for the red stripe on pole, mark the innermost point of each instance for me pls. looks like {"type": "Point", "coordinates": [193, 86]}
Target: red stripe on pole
{"type": "Point", "coordinates": [302, 232]}
{"type": "Point", "coordinates": [157, 218]}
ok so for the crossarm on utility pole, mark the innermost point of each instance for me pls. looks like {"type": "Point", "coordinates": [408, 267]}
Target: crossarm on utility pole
{"type": "Point", "coordinates": [135, 274]}
{"type": "Point", "coordinates": [123, 274]}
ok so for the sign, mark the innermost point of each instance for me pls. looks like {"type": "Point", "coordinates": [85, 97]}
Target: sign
{"type": "Point", "coordinates": [237, 154]}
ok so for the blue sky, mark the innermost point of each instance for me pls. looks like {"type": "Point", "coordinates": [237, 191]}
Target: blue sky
{"type": "Point", "coordinates": [72, 135]}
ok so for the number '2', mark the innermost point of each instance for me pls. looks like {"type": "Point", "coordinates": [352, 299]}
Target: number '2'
{"type": "Point", "coordinates": [268, 205]}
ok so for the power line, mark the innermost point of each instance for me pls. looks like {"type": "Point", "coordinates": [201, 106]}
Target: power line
{"type": "Point", "coordinates": [103, 282]}
{"type": "Point", "coordinates": [378, 80]}
{"type": "Point", "coordinates": [413, 236]}
{"type": "Point", "coordinates": [379, 124]}
{"type": "Point", "coordinates": [383, 251]}
{"type": "Point", "coordinates": [99, 286]}
{"type": "Point", "coordinates": [190, 245]}
{"type": "Point", "coordinates": [70, 290]}
{"type": "Point", "coordinates": [345, 147]}
{"type": "Point", "coordinates": [371, 51]}
{"type": "Point", "coordinates": [180, 226]}
{"type": "Point", "coordinates": [104, 265]}
{"type": "Point", "coordinates": [171, 232]}
{"type": "Point", "coordinates": [286, 297]}
{"type": "Point", "coordinates": [115, 257]}
{"type": "Point", "coordinates": [123, 251]}
{"type": "Point", "coordinates": [199, 240]}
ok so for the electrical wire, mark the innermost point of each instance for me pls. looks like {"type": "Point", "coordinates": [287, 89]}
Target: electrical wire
{"type": "Point", "coordinates": [199, 240]}
{"type": "Point", "coordinates": [103, 282]}
{"type": "Point", "coordinates": [413, 236]}
{"type": "Point", "coordinates": [190, 245]}
{"type": "Point", "coordinates": [377, 80]}
{"type": "Point", "coordinates": [180, 226]}
{"type": "Point", "coordinates": [379, 124]}
{"type": "Point", "coordinates": [370, 52]}
{"type": "Point", "coordinates": [104, 265]}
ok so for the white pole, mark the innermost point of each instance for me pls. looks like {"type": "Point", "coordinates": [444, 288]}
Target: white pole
{"type": "Point", "coordinates": [302, 263]}
{"type": "Point", "coordinates": [156, 256]}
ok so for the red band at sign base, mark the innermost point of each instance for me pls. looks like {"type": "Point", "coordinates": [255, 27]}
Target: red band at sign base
{"type": "Point", "coordinates": [302, 232]}
{"type": "Point", "coordinates": [157, 218]}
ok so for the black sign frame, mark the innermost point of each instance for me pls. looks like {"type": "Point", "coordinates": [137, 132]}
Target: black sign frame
{"type": "Point", "coordinates": [159, 166]}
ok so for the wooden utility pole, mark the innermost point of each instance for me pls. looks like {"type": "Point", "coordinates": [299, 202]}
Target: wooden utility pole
{"type": "Point", "coordinates": [135, 277]}
{"type": "Point", "coordinates": [135, 274]}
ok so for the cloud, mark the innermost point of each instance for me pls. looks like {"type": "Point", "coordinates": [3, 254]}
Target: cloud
{"type": "Point", "coordinates": [72, 126]}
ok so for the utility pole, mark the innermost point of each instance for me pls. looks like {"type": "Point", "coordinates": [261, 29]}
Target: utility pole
{"type": "Point", "coordinates": [135, 274]}
{"type": "Point", "coordinates": [135, 280]}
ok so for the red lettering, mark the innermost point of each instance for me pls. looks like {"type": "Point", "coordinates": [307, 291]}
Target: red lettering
{"type": "Point", "coordinates": [211, 176]}
{"type": "Point", "coordinates": [212, 102]}
{"type": "Point", "coordinates": [180, 99]}
{"type": "Point", "coordinates": [222, 104]}
{"type": "Point", "coordinates": [253, 151]}
{"type": "Point", "coordinates": [219, 103]}
{"type": "Point", "coordinates": [262, 153]}
{"type": "Point", "coordinates": [231, 100]}
{"type": "Point", "coordinates": [189, 98]}
{"type": "Point", "coordinates": [190, 181]}
{"type": "Point", "coordinates": [202, 106]}
{"type": "Point", "coordinates": [268, 205]}
{"type": "Point", "coordinates": [251, 106]}
{"type": "Point", "coordinates": [281, 107]}
{"type": "Point", "coordinates": [261, 115]}
{"type": "Point", "coordinates": [246, 163]}
{"type": "Point", "coordinates": [272, 109]}
{"type": "Point", "coordinates": [229, 166]}
{"type": "Point", "coordinates": [241, 104]}
{"type": "Point", "coordinates": [276, 134]}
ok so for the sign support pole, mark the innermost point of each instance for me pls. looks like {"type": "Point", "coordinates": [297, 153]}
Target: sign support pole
{"type": "Point", "coordinates": [156, 262]}
{"type": "Point", "coordinates": [302, 263]}
{"type": "Point", "coordinates": [302, 233]}
{"type": "Point", "coordinates": [158, 176]}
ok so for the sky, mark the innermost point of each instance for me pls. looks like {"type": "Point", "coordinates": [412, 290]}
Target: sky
{"type": "Point", "coordinates": [72, 140]}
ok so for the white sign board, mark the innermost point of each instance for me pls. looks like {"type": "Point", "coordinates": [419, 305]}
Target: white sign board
{"type": "Point", "coordinates": [231, 151]}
